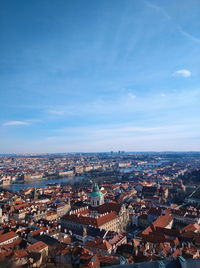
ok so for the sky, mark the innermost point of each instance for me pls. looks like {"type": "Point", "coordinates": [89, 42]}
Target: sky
{"type": "Point", "coordinates": [99, 75]}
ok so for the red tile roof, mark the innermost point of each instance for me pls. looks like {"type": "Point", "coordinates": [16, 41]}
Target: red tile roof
{"type": "Point", "coordinates": [192, 228]}
{"type": "Point", "coordinates": [88, 220]}
{"type": "Point", "coordinates": [20, 253]}
{"type": "Point", "coordinates": [163, 220]}
{"type": "Point", "coordinates": [99, 243]}
{"type": "Point", "coordinates": [7, 236]}
{"type": "Point", "coordinates": [38, 246]}
{"type": "Point", "coordinates": [38, 231]}
{"type": "Point", "coordinates": [108, 207]}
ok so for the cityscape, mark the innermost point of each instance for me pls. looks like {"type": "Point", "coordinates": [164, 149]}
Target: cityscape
{"type": "Point", "coordinates": [99, 209]}
{"type": "Point", "coordinates": [99, 134]}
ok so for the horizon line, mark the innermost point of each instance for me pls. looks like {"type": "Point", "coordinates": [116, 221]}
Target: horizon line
{"type": "Point", "coordinates": [103, 152]}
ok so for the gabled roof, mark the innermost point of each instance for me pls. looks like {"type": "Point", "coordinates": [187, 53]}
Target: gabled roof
{"type": "Point", "coordinates": [20, 253]}
{"type": "Point", "coordinates": [37, 247]}
{"type": "Point", "coordinates": [192, 227]}
{"type": "Point", "coordinates": [87, 220]}
{"type": "Point", "coordinates": [108, 207]}
{"type": "Point", "coordinates": [7, 236]}
{"type": "Point", "coordinates": [99, 243]}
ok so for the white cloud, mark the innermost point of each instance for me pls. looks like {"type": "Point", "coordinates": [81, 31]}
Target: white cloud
{"type": "Point", "coordinates": [183, 73]}
{"type": "Point", "coordinates": [16, 123]}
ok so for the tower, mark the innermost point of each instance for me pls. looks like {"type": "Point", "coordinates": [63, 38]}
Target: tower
{"type": "Point", "coordinates": [96, 197]}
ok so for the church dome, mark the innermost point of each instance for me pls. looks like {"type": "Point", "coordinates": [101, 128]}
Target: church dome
{"type": "Point", "coordinates": [96, 192]}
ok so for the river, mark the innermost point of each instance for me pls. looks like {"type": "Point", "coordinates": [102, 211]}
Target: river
{"type": "Point", "coordinates": [42, 183]}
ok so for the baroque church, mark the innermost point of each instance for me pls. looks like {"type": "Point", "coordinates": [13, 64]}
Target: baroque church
{"type": "Point", "coordinates": [99, 207]}
{"type": "Point", "coordinates": [100, 214]}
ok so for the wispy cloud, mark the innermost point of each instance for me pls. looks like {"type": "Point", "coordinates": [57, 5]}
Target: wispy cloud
{"type": "Point", "coordinates": [128, 129]}
{"type": "Point", "coordinates": [159, 9]}
{"type": "Point", "coordinates": [129, 103]}
{"type": "Point", "coordinates": [183, 73]}
{"type": "Point", "coordinates": [56, 112]}
{"type": "Point", "coordinates": [188, 35]}
{"type": "Point", "coordinates": [128, 137]}
{"type": "Point", "coordinates": [16, 123]}
{"type": "Point", "coordinates": [164, 13]}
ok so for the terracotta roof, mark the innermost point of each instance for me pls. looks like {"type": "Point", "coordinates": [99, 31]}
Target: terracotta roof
{"type": "Point", "coordinates": [20, 206]}
{"type": "Point", "coordinates": [38, 246]}
{"type": "Point", "coordinates": [86, 220]}
{"type": "Point", "coordinates": [109, 259]}
{"type": "Point", "coordinates": [12, 245]}
{"type": "Point", "coordinates": [108, 207]}
{"type": "Point", "coordinates": [38, 231]}
{"type": "Point", "coordinates": [157, 232]}
{"type": "Point", "coordinates": [163, 220]}
{"type": "Point", "coordinates": [20, 253]}
{"type": "Point", "coordinates": [7, 236]}
{"type": "Point", "coordinates": [99, 243]}
{"type": "Point", "coordinates": [192, 228]}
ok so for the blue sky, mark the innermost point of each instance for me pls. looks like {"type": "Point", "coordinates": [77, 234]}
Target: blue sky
{"type": "Point", "coordinates": [99, 75]}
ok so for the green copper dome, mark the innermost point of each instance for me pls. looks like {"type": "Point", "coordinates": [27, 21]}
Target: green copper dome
{"type": "Point", "coordinates": [96, 192]}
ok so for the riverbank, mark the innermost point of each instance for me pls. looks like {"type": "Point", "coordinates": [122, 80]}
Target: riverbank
{"type": "Point", "coordinates": [44, 183]}
{"type": "Point", "coordinates": [53, 177]}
